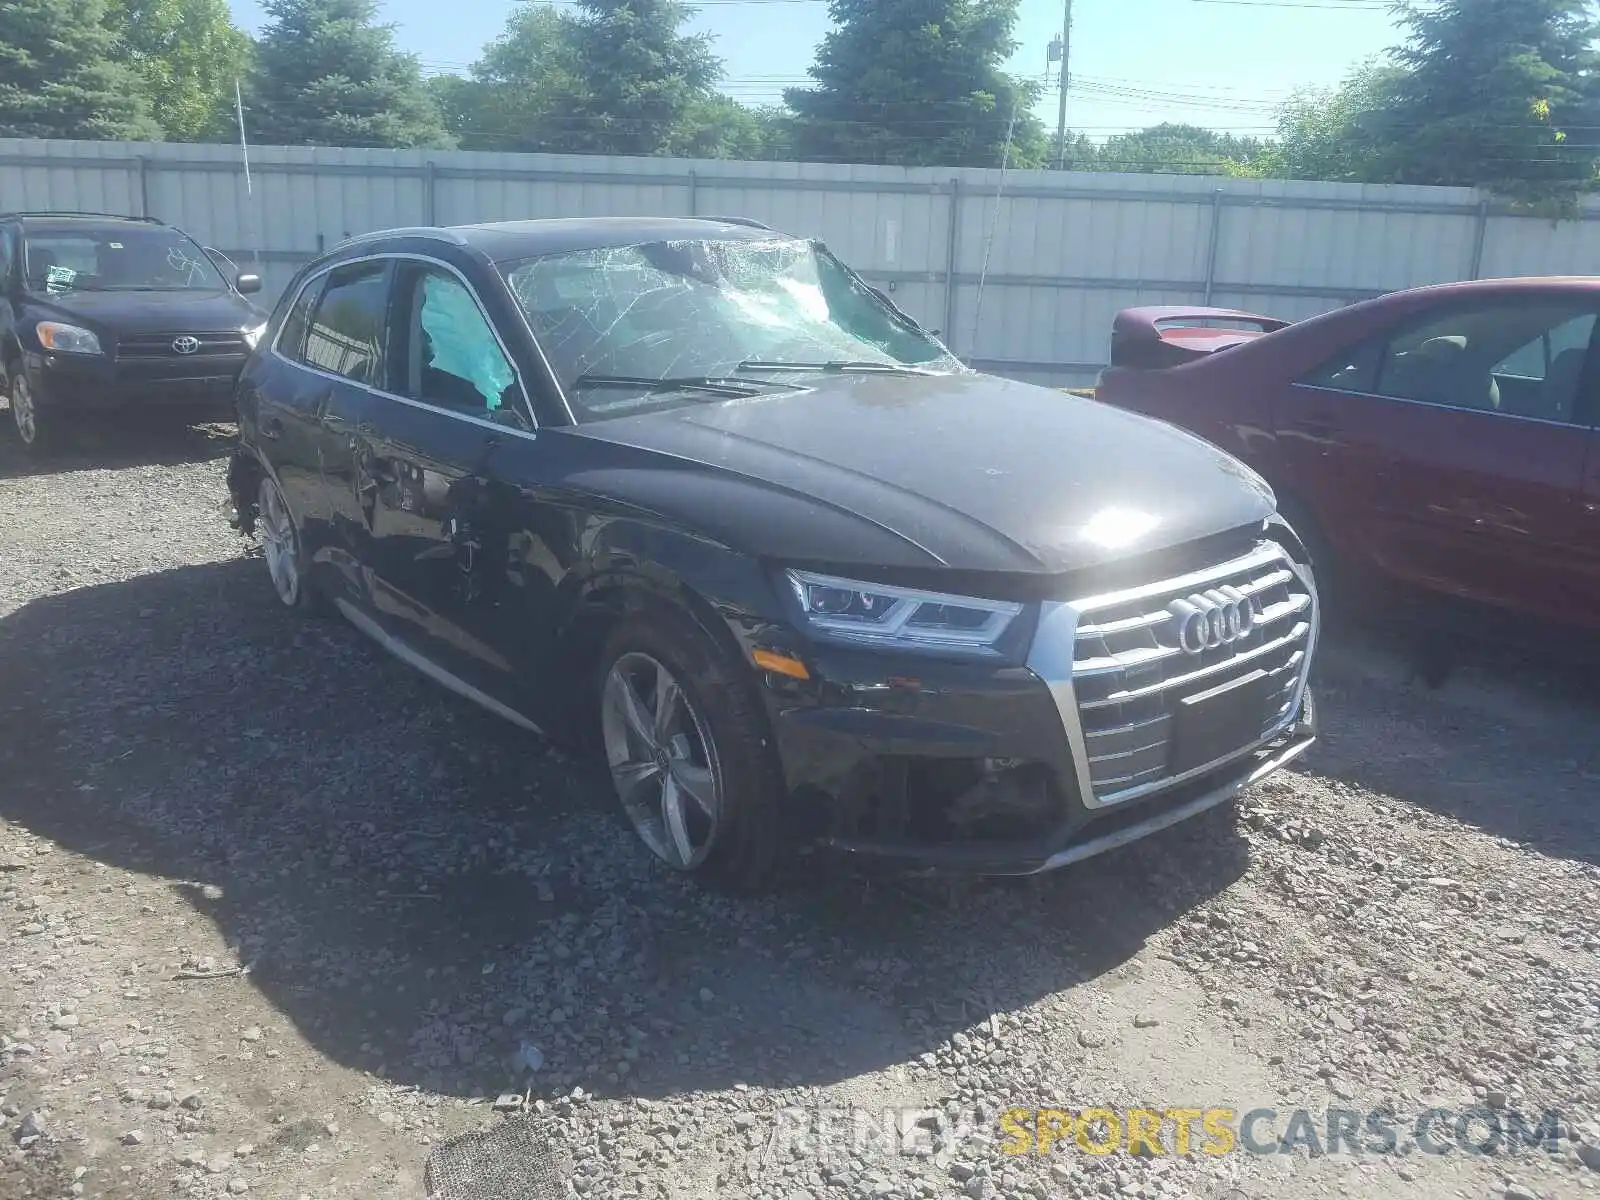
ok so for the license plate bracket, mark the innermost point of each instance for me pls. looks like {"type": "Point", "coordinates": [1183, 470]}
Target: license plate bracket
{"type": "Point", "coordinates": [1214, 723]}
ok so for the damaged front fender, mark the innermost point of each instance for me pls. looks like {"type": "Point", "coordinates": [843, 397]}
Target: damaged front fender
{"type": "Point", "coordinates": [244, 484]}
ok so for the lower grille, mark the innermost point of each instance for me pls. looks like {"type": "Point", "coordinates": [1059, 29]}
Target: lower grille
{"type": "Point", "coordinates": [1159, 700]}
{"type": "Point", "coordinates": [229, 344]}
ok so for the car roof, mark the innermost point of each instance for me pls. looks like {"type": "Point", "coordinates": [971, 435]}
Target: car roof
{"type": "Point", "coordinates": [503, 240]}
{"type": "Point", "coordinates": [71, 218]}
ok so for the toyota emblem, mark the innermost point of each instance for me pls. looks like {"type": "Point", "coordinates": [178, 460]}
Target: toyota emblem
{"type": "Point", "coordinates": [1214, 618]}
{"type": "Point", "coordinates": [186, 344]}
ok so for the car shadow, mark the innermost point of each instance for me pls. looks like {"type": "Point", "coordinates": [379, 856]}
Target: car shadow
{"type": "Point", "coordinates": [1431, 709]}
{"type": "Point", "coordinates": [425, 890]}
{"type": "Point", "coordinates": [107, 442]}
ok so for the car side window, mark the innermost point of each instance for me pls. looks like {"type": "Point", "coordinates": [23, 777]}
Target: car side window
{"type": "Point", "coordinates": [345, 333]}
{"type": "Point", "coordinates": [446, 352]}
{"type": "Point", "coordinates": [292, 335]}
{"type": "Point", "coordinates": [5, 258]}
{"type": "Point", "coordinates": [1352, 370]}
{"type": "Point", "coordinates": [1516, 359]}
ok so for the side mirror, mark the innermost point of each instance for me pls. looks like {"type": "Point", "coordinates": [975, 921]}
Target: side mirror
{"type": "Point", "coordinates": [248, 284]}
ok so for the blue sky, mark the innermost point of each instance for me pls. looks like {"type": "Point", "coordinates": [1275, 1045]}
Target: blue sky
{"type": "Point", "coordinates": [1220, 63]}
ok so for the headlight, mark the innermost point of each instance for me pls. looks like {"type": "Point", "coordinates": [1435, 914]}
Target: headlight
{"type": "Point", "coordinates": [66, 339]}
{"type": "Point", "coordinates": [875, 614]}
{"type": "Point", "coordinates": [252, 334]}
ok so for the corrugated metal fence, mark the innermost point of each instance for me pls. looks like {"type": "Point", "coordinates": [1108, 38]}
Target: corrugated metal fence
{"type": "Point", "coordinates": [1021, 274]}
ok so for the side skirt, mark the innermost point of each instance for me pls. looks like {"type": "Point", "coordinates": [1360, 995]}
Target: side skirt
{"type": "Point", "coordinates": [432, 669]}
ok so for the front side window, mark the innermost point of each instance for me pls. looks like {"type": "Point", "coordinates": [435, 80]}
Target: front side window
{"type": "Point", "coordinates": [1518, 359]}
{"type": "Point", "coordinates": [345, 335]}
{"type": "Point", "coordinates": [450, 357]}
{"type": "Point", "coordinates": [134, 258]}
{"type": "Point", "coordinates": [699, 309]}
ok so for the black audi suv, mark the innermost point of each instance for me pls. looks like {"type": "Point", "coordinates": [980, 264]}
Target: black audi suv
{"type": "Point", "coordinates": [692, 494]}
{"type": "Point", "coordinates": [103, 314]}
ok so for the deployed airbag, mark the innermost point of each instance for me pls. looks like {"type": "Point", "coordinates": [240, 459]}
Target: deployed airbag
{"type": "Point", "coordinates": [462, 345]}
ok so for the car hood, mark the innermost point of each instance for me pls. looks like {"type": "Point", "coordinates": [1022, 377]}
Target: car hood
{"type": "Point", "coordinates": [188, 311]}
{"type": "Point", "coordinates": [969, 471]}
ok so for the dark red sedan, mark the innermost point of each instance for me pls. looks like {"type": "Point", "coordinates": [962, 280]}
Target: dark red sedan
{"type": "Point", "coordinates": [1442, 437]}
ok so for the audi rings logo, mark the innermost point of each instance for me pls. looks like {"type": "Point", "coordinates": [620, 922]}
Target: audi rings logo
{"type": "Point", "coordinates": [1213, 618]}
{"type": "Point", "coordinates": [186, 344]}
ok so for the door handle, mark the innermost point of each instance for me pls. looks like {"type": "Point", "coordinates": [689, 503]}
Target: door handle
{"type": "Point", "coordinates": [1317, 426]}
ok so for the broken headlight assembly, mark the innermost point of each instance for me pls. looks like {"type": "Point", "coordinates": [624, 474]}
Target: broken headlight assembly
{"type": "Point", "coordinates": [60, 338]}
{"type": "Point", "coordinates": [875, 614]}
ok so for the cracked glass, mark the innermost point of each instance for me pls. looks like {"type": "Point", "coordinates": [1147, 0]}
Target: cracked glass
{"type": "Point", "coordinates": [731, 313]}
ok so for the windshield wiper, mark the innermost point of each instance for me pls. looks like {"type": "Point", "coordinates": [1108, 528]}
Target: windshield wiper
{"type": "Point", "coordinates": [686, 383]}
{"type": "Point", "coordinates": [879, 368]}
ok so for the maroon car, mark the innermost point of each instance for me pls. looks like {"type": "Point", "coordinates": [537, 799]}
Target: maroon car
{"type": "Point", "coordinates": [1442, 437]}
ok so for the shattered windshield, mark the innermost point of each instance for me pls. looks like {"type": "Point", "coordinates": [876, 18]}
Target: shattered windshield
{"type": "Point", "coordinates": [615, 321]}
{"type": "Point", "coordinates": [137, 258]}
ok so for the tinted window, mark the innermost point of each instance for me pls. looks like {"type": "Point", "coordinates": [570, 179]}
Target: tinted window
{"type": "Point", "coordinates": [1516, 359]}
{"type": "Point", "coordinates": [445, 351]}
{"type": "Point", "coordinates": [1354, 370]}
{"type": "Point", "coordinates": [292, 336]}
{"type": "Point", "coordinates": [346, 334]}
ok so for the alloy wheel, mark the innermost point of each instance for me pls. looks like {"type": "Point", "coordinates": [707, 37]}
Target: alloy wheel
{"type": "Point", "coordinates": [662, 761]}
{"type": "Point", "coordinates": [23, 411]}
{"type": "Point", "coordinates": [278, 542]}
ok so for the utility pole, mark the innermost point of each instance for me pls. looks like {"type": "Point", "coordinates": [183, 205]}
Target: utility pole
{"type": "Point", "coordinates": [1061, 113]}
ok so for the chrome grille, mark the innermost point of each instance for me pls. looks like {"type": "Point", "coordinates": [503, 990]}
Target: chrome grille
{"type": "Point", "coordinates": [1130, 674]}
{"type": "Point", "coordinates": [159, 345]}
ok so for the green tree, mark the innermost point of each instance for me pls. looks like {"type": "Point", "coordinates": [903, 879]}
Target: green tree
{"type": "Point", "coordinates": [518, 91]}
{"type": "Point", "coordinates": [1499, 94]}
{"type": "Point", "coordinates": [59, 77]}
{"type": "Point", "coordinates": [1343, 134]}
{"type": "Point", "coordinates": [327, 75]}
{"type": "Point", "coordinates": [189, 53]}
{"type": "Point", "coordinates": [918, 83]}
{"type": "Point", "coordinates": [639, 79]}
{"type": "Point", "coordinates": [1177, 149]}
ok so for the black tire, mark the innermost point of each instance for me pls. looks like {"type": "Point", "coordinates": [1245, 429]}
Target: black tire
{"type": "Point", "coordinates": [743, 855]}
{"type": "Point", "coordinates": [283, 536]}
{"type": "Point", "coordinates": [32, 425]}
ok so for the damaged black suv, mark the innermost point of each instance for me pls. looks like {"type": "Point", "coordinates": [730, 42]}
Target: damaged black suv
{"type": "Point", "coordinates": [693, 493]}
{"type": "Point", "coordinates": [106, 314]}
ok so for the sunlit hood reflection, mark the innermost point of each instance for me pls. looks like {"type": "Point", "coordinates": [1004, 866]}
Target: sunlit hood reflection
{"type": "Point", "coordinates": [1117, 528]}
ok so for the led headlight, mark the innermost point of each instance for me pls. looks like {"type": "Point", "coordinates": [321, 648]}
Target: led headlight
{"type": "Point", "coordinates": [876, 614]}
{"type": "Point", "coordinates": [66, 339]}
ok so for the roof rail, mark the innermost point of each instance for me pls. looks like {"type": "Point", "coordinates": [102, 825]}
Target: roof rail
{"type": "Point", "coordinates": [67, 212]}
{"type": "Point", "coordinates": [438, 232]}
{"type": "Point", "coordinates": [750, 221]}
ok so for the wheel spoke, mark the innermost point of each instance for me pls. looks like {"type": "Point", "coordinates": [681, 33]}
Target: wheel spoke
{"type": "Point", "coordinates": [675, 820]}
{"type": "Point", "coordinates": [631, 776]}
{"type": "Point", "coordinates": [694, 781]}
{"type": "Point", "coordinates": [667, 696]}
{"type": "Point", "coordinates": [633, 710]}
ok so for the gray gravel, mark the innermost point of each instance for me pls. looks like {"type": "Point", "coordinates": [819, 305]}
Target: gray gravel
{"type": "Point", "coordinates": [278, 915]}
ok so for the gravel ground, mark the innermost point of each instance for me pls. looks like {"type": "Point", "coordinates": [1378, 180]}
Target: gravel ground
{"type": "Point", "coordinates": [279, 916]}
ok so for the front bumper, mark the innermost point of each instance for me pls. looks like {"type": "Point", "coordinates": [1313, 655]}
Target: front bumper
{"type": "Point", "coordinates": [66, 383]}
{"type": "Point", "coordinates": [1108, 734]}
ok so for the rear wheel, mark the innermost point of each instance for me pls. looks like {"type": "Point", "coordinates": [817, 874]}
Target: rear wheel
{"type": "Point", "coordinates": [685, 743]}
{"type": "Point", "coordinates": [281, 547]}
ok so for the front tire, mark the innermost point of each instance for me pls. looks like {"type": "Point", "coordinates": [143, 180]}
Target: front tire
{"type": "Point", "coordinates": [34, 430]}
{"type": "Point", "coordinates": [687, 749]}
{"type": "Point", "coordinates": [282, 548]}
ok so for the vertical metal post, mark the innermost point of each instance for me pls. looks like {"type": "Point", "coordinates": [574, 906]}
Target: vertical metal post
{"type": "Point", "coordinates": [1061, 113]}
{"type": "Point", "coordinates": [1478, 234]}
{"type": "Point", "coordinates": [952, 244]}
{"type": "Point", "coordinates": [430, 199]}
{"type": "Point", "coordinates": [144, 186]}
{"type": "Point", "coordinates": [694, 193]}
{"type": "Point", "coordinates": [1211, 242]}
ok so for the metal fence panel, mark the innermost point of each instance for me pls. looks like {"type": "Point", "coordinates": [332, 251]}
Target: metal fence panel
{"type": "Point", "coordinates": [1057, 254]}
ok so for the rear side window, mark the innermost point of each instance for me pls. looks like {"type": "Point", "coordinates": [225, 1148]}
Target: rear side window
{"type": "Point", "coordinates": [1352, 370]}
{"type": "Point", "coordinates": [292, 335]}
{"type": "Point", "coordinates": [345, 333]}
